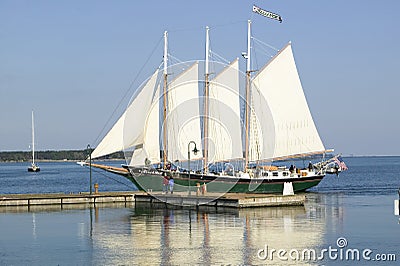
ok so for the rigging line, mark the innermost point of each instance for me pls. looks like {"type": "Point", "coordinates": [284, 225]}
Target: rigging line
{"type": "Point", "coordinates": [219, 57]}
{"type": "Point", "coordinates": [186, 29]}
{"type": "Point", "coordinates": [103, 174]}
{"type": "Point", "coordinates": [175, 58]}
{"type": "Point", "coordinates": [127, 91]}
{"type": "Point", "coordinates": [252, 16]}
{"type": "Point", "coordinates": [211, 26]}
{"type": "Point", "coordinates": [266, 44]}
{"type": "Point", "coordinates": [228, 24]}
{"type": "Point", "coordinates": [264, 52]}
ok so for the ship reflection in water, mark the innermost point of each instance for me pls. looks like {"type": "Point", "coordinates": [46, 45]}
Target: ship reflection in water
{"type": "Point", "coordinates": [113, 234]}
{"type": "Point", "coordinates": [150, 235]}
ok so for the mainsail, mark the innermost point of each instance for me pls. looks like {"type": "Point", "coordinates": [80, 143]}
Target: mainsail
{"type": "Point", "coordinates": [225, 141]}
{"type": "Point", "coordinates": [287, 120]}
{"type": "Point", "coordinates": [183, 117]}
{"type": "Point", "coordinates": [125, 135]}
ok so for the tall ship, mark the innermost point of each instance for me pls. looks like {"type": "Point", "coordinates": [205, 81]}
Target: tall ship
{"type": "Point", "coordinates": [208, 124]}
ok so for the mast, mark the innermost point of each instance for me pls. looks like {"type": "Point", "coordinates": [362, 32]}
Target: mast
{"type": "Point", "coordinates": [165, 155]}
{"type": "Point", "coordinates": [33, 141]}
{"type": "Point", "coordinates": [206, 96]}
{"type": "Point", "coordinates": [247, 113]}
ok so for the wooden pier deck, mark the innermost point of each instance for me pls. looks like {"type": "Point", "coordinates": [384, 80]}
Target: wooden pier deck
{"type": "Point", "coordinates": [233, 200]}
{"type": "Point", "coordinates": [64, 199]}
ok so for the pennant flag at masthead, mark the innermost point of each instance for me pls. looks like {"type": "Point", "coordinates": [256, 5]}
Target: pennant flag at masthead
{"type": "Point", "coordinates": [266, 13]}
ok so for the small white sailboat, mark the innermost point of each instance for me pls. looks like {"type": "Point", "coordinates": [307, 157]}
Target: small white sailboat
{"type": "Point", "coordinates": [33, 167]}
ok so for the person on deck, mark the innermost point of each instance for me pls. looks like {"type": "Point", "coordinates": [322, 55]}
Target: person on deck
{"type": "Point", "coordinates": [310, 166]}
{"type": "Point", "coordinates": [171, 185]}
{"type": "Point", "coordinates": [165, 184]}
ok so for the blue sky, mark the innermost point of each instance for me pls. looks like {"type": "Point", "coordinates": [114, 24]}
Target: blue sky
{"type": "Point", "coordinates": [73, 61]}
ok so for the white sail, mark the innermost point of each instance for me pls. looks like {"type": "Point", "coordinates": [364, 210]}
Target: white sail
{"type": "Point", "coordinates": [128, 131]}
{"type": "Point", "coordinates": [282, 111]}
{"type": "Point", "coordinates": [150, 149]}
{"type": "Point", "coordinates": [183, 118]}
{"type": "Point", "coordinates": [261, 133]}
{"type": "Point", "coordinates": [33, 140]}
{"type": "Point", "coordinates": [225, 141]}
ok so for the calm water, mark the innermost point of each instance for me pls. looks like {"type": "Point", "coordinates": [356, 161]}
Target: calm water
{"type": "Point", "coordinates": [351, 212]}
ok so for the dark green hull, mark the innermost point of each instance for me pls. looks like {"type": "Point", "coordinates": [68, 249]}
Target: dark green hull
{"type": "Point", "coordinates": [154, 182]}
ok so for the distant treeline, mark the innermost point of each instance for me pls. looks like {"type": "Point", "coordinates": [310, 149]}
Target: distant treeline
{"type": "Point", "coordinates": [73, 155]}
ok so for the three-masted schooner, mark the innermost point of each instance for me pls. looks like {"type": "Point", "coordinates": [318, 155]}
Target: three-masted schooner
{"type": "Point", "coordinates": [233, 142]}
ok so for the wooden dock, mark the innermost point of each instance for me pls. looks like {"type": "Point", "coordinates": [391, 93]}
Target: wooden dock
{"type": "Point", "coordinates": [233, 200]}
{"type": "Point", "coordinates": [64, 199]}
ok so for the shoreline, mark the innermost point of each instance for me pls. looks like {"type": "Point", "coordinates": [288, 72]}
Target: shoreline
{"type": "Point", "coordinates": [53, 155]}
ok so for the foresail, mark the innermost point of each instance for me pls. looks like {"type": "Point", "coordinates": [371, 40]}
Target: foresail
{"type": "Point", "coordinates": [128, 130]}
{"type": "Point", "coordinates": [225, 141]}
{"type": "Point", "coordinates": [149, 152]}
{"type": "Point", "coordinates": [183, 118]}
{"type": "Point", "coordinates": [113, 141]}
{"type": "Point", "coordinates": [281, 107]}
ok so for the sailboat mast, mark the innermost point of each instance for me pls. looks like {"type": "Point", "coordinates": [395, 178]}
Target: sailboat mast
{"type": "Point", "coordinates": [247, 103]}
{"type": "Point", "coordinates": [165, 155]}
{"type": "Point", "coordinates": [206, 96]}
{"type": "Point", "coordinates": [33, 141]}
